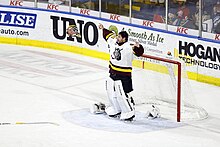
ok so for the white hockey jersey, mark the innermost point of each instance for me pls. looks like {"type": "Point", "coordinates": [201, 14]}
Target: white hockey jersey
{"type": "Point", "coordinates": [121, 56]}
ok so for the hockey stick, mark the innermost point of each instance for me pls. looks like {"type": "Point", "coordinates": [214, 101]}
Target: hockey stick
{"type": "Point", "coordinates": [28, 123]}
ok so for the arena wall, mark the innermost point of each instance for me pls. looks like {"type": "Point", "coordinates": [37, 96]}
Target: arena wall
{"type": "Point", "coordinates": [47, 29]}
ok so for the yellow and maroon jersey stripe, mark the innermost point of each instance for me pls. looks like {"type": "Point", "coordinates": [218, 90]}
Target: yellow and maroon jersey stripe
{"type": "Point", "coordinates": [120, 70]}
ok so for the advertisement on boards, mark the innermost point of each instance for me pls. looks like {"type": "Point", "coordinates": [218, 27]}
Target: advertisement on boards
{"type": "Point", "coordinates": [201, 57]}
{"type": "Point", "coordinates": [18, 3]}
{"type": "Point", "coordinates": [17, 24]}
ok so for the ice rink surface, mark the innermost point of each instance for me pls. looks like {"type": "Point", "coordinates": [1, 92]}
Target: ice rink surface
{"type": "Point", "coordinates": [55, 89]}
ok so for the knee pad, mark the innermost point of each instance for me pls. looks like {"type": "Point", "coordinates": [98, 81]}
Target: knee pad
{"type": "Point", "coordinates": [124, 100]}
{"type": "Point", "coordinates": [110, 89]}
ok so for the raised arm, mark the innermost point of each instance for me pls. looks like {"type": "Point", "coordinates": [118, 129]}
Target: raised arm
{"type": "Point", "coordinates": [106, 33]}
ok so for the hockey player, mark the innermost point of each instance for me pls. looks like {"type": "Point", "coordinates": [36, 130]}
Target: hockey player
{"type": "Point", "coordinates": [119, 83]}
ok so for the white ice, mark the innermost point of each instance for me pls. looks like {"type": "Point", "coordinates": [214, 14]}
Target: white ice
{"type": "Point", "coordinates": [42, 85]}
